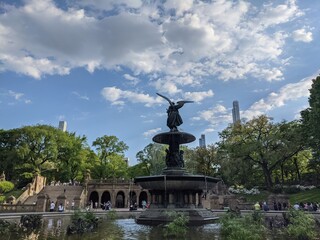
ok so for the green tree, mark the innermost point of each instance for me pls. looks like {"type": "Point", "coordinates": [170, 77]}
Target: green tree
{"type": "Point", "coordinates": [152, 158]}
{"type": "Point", "coordinates": [110, 151]}
{"type": "Point", "coordinates": [202, 160]}
{"type": "Point", "coordinates": [262, 144]}
{"type": "Point", "coordinates": [35, 145]}
{"type": "Point", "coordinates": [310, 118]}
{"type": "Point", "coordinates": [73, 153]}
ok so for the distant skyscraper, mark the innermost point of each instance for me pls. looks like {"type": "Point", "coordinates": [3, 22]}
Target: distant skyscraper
{"type": "Point", "coordinates": [63, 126]}
{"type": "Point", "coordinates": [202, 141]}
{"type": "Point", "coordinates": [235, 112]}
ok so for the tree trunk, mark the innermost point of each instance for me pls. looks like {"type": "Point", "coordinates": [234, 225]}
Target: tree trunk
{"type": "Point", "coordinates": [267, 175]}
{"type": "Point", "coordinates": [282, 174]}
{"type": "Point", "coordinates": [297, 169]}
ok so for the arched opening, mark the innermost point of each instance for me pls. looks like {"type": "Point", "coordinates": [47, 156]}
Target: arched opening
{"type": "Point", "coordinates": [120, 200]}
{"type": "Point", "coordinates": [143, 197]}
{"type": "Point", "coordinates": [94, 199]}
{"type": "Point", "coordinates": [105, 198]}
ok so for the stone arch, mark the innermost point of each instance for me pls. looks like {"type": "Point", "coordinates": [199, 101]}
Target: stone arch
{"type": "Point", "coordinates": [120, 200]}
{"type": "Point", "coordinates": [143, 196]}
{"type": "Point", "coordinates": [93, 198]}
{"type": "Point", "coordinates": [105, 197]}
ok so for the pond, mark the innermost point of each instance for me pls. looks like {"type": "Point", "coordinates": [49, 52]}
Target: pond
{"type": "Point", "coordinates": [127, 229]}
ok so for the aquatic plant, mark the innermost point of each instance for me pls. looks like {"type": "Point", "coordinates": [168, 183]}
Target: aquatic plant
{"type": "Point", "coordinates": [178, 226]}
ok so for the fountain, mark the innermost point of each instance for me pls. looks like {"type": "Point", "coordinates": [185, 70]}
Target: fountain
{"type": "Point", "coordinates": [175, 189]}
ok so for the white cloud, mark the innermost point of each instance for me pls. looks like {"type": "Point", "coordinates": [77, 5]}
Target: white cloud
{"type": "Point", "coordinates": [15, 95]}
{"type": "Point", "coordinates": [200, 40]}
{"type": "Point", "coordinates": [117, 96]}
{"type": "Point", "coordinates": [83, 97]}
{"type": "Point", "coordinates": [301, 35]}
{"type": "Point", "coordinates": [216, 115]}
{"type": "Point", "coordinates": [198, 96]}
{"type": "Point", "coordinates": [289, 92]}
{"type": "Point", "coordinates": [18, 97]}
{"type": "Point", "coordinates": [151, 132]}
{"type": "Point", "coordinates": [133, 80]}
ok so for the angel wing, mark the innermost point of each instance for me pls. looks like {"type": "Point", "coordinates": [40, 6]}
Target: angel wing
{"type": "Point", "coordinates": [171, 103]}
{"type": "Point", "coordinates": [181, 103]}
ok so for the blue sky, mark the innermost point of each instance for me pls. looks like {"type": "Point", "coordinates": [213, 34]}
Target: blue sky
{"type": "Point", "coordinates": [99, 64]}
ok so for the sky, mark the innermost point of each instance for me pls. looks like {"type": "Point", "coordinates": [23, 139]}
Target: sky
{"type": "Point", "coordinates": [98, 64]}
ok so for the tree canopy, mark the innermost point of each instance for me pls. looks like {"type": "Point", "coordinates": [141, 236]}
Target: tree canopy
{"type": "Point", "coordinates": [260, 145]}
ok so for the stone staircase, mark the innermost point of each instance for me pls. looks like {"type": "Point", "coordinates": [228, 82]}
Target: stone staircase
{"type": "Point", "coordinates": [53, 192]}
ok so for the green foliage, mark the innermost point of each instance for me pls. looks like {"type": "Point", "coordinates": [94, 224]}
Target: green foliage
{"type": "Point", "coordinates": [310, 122]}
{"type": "Point", "coordinates": [152, 158]}
{"type": "Point", "coordinates": [137, 170]}
{"type": "Point", "coordinates": [312, 195]}
{"type": "Point", "coordinates": [2, 198]}
{"type": "Point", "coordinates": [302, 225]}
{"type": "Point", "coordinates": [178, 227]}
{"type": "Point", "coordinates": [249, 227]}
{"type": "Point", "coordinates": [111, 162]}
{"type": "Point", "coordinates": [257, 148]}
{"type": "Point", "coordinates": [6, 186]}
{"type": "Point", "coordinates": [82, 222]}
{"type": "Point", "coordinates": [112, 214]}
{"type": "Point", "coordinates": [202, 160]}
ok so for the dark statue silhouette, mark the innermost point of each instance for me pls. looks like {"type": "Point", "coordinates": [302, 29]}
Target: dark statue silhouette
{"type": "Point", "coordinates": [174, 119]}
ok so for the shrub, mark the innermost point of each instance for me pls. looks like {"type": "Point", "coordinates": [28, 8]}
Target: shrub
{"type": "Point", "coordinates": [237, 228]}
{"type": "Point", "coordinates": [6, 186]}
{"type": "Point", "coordinates": [112, 214]}
{"type": "Point", "coordinates": [301, 225]}
{"type": "Point", "coordinates": [178, 227]}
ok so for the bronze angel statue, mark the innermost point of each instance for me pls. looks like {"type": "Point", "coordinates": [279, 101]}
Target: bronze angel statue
{"type": "Point", "coordinates": [174, 119]}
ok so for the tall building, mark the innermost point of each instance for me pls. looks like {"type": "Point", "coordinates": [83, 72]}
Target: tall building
{"type": "Point", "coordinates": [63, 126]}
{"type": "Point", "coordinates": [202, 141]}
{"type": "Point", "coordinates": [235, 112]}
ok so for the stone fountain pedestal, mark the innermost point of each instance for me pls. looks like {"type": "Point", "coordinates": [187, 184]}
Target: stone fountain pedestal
{"type": "Point", "coordinates": [176, 189]}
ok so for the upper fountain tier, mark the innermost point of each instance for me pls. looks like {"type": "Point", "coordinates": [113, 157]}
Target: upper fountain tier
{"type": "Point", "coordinates": [174, 137]}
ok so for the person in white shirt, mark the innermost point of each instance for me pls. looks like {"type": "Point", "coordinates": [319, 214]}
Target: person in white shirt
{"type": "Point", "coordinates": [52, 206]}
{"type": "Point", "coordinates": [60, 208]}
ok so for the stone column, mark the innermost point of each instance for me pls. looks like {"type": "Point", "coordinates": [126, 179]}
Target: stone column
{"type": "Point", "coordinates": [191, 200]}
{"type": "Point", "coordinates": [62, 199]}
{"type": "Point", "coordinates": [197, 199]}
{"type": "Point", "coordinates": [171, 200]}
{"type": "Point", "coordinates": [41, 203]}
{"type": "Point", "coordinates": [77, 202]}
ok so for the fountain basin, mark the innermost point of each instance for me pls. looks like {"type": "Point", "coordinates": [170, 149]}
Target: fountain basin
{"type": "Point", "coordinates": [173, 137]}
{"type": "Point", "coordinates": [181, 182]}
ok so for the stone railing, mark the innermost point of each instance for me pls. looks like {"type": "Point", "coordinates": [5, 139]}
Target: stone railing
{"type": "Point", "coordinates": [32, 188]}
{"type": "Point", "coordinates": [109, 181]}
{"type": "Point", "coordinates": [17, 208]}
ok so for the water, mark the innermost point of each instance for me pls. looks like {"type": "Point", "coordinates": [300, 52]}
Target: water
{"type": "Point", "coordinates": [126, 229]}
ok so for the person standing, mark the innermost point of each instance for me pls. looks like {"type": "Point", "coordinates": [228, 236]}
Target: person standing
{"type": "Point", "coordinates": [52, 206]}
{"type": "Point", "coordinates": [60, 208]}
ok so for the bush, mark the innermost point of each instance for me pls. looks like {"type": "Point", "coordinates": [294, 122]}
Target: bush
{"type": "Point", "coordinates": [301, 225]}
{"type": "Point", "coordinates": [178, 227]}
{"type": "Point", "coordinates": [239, 228]}
{"type": "Point", "coordinates": [6, 186]}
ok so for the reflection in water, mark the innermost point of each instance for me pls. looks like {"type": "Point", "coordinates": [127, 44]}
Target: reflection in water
{"type": "Point", "coordinates": [55, 229]}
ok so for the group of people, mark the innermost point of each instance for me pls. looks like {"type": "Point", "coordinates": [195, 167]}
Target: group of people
{"type": "Point", "coordinates": [308, 206]}
{"type": "Point", "coordinates": [278, 206]}
{"type": "Point", "coordinates": [60, 207]}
